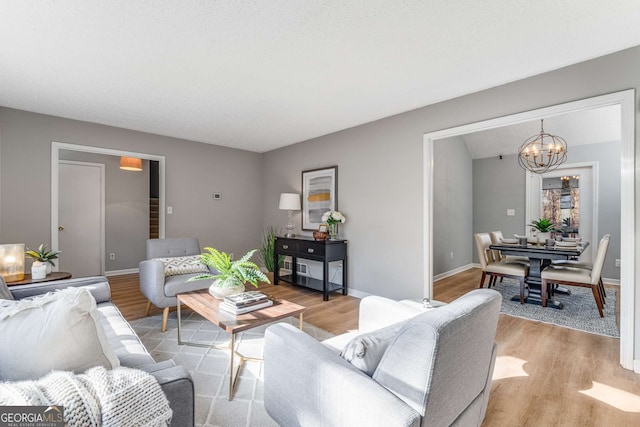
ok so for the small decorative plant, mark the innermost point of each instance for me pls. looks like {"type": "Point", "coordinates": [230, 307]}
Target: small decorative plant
{"type": "Point", "coordinates": [543, 225]}
{"type": "Point", "coordinates": [333, 218]}
{"type": "Point", "coordinates": [231, 274]}
{"type": "Point", "coordinates": [267, 247]}
{"type": "Point", "coordinates": [42, 255]}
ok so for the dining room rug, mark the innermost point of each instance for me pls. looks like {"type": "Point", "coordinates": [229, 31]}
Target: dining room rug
{"type": "Point", "coordinates": [209, 367]}
{"type": "Point", "coordinates": [580, 311]}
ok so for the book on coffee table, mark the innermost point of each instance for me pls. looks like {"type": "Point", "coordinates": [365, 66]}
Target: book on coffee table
{"type": "Point", "coordinates": [245, 309]}
{"type": "Point", "coordinates": [245, 298]}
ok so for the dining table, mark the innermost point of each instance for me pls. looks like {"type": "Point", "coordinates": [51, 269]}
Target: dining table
{"type": "Point", "coordinates": [540, 256]}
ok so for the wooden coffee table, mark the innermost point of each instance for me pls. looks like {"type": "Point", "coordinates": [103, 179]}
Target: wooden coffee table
{"type": "Point", "coordinates": [207, 306]}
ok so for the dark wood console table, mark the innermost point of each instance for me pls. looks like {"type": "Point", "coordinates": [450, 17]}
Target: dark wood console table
{"type": "Point", "coordinates": [324, 251]}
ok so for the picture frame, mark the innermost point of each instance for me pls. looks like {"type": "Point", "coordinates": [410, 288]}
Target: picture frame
{"type": "Point", "coordinates": [323, 228]}
{"type": "Point", "coordinates": [319, 195]}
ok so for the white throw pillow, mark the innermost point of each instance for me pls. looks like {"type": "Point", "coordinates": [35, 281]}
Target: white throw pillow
{"type": "Point", "coordinates": [365, 351]}
{"type": "Point", "coordinates": [182, 265]}
{"type": "Point", "coordinates": [55, 331]}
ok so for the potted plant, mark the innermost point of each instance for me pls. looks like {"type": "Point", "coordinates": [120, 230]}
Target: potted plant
{"type": "Point", "coordinates": [266, 250]}
{"type": "Point", "coordinates": [231, 275]}
{"type": "Point", "coordinates": [42, 256]}
{"type": "Point", "coordinates": [544, 227]}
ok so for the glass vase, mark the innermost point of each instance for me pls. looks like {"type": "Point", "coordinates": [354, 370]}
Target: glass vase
{"type": "Point", "coordinates": [333, 231]}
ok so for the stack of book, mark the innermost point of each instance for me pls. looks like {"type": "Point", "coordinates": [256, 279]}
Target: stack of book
{"type": "Point", "coordinates": [245, 302]}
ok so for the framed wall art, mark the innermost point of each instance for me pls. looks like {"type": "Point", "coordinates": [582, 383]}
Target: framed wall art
{"type": "Point", "coordinates": [319, 195]}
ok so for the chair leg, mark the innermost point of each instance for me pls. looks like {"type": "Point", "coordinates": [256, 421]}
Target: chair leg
{"type": "Point", "coordinates": [484, 274]}
{"type": "Point", "coordinates": [596, 295]}
{"type": "Point", "coordinates": [148, 308]}
{"type": "Point", "coordinates": [165, 316]}
{"type": "Point", "coordinates": [603, 293]}
{"type": "Point", "coordinates": [492, 282]}
{"type": "Point", "coordinates": [522, 290]}
{"type": "Point", "coordinates": [543, 292]}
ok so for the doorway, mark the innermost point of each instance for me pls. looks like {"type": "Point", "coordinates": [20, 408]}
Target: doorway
{"type": "Point", "coordinates": [81, 227]}
{"type": "Point", "coordinates": [626, 101]}
{"type": "Point", "coordinates": [58, 147]}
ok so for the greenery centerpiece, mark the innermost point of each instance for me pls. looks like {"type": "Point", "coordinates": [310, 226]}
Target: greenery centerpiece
{"type": "Point", "coordinates": [42, 256]}
{"type": "Point", "coordinates": [544, 227]}
{"type": "Point", "coordinates": [333, 218]}
{"type": "Point", "coordinates": [266, 250]}
{"type": "Point", "coordinates": [231, 275]}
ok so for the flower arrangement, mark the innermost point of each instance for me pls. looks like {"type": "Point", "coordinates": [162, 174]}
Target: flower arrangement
{"type": "Point", "coordinates": [333, 218]}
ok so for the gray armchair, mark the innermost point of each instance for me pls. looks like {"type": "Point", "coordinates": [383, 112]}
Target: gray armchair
{"type": "Point", "coordinates": [160, 290]}
{"type": "Point", "coordinates": [436, 371]}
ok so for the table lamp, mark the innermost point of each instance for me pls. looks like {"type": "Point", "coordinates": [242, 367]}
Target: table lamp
{"type": "Point", "coordinates": [290, 202]}
{"type": "Point", "coordinates": [12, 262]}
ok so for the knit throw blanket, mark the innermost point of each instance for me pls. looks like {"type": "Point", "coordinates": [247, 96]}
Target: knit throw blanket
{"type": "Point", "coordinates": [99, 397]}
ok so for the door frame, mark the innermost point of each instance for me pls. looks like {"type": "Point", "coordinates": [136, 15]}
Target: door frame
{"type": "Point", "coordinates": [55, 158]}
{"type": "Point", "coordinates": [102, 207]}
{"type": "Point", "coordinates": [593, 239]}
{"type": "Point", "coordinates": [626, 100]}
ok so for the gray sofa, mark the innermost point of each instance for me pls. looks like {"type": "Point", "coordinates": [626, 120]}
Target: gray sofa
{"type": "Point", "coordinates": [174, 380]}
{"type": "Point", "coordinates": [435, 369]}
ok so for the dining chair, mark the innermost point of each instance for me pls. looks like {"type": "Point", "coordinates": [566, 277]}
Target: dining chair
{"type": "Point", "coordinates": [496, 239]}
{"type": "Point", "coordinates": [575, 276]}
{"type": "Point", "coordinates": [498, 268]}
{"type": "Point", "coordinates": [587, 265]}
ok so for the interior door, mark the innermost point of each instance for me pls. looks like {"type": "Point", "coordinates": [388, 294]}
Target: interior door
{"type": "Point", "coordinates": [81, 218]}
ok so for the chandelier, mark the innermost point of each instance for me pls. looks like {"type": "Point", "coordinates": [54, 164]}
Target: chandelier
{"type": "Point", "coordinates": [543, 152]}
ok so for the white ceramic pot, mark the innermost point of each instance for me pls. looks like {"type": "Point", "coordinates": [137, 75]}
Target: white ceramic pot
{"type": "Point", "coordinates": [219, 292]}
{"type": "Point", "coordinates": [542, 237]}
{"type": "Point", "coordinates": [38, 270]}
{"type": "Point", "coordinates": [48, 265]}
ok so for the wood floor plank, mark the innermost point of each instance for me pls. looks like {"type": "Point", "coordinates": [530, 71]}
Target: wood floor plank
{"type": "Point", "coordinates": [545, 375]}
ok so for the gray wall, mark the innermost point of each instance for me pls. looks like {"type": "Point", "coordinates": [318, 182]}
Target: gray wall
{"type": "Point", "coordinates": [499, 185]}
{"type": "Point", "coordinates": [452, 205]}
{"type": "Point", "coordinates": [126, 209]}
{"type": "Point", "coordinates": [193, 172]}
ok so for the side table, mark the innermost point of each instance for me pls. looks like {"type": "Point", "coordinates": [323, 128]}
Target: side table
{"type": "Point", "coordinates": [56, 275]}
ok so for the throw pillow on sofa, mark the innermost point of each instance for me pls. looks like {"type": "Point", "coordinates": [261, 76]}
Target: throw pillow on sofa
{"type": "Point", "coordinates": [365, 350]}
{"type": "Point", "coordinates": [55, 331]}
{"type": "Point", "coordinates": [174, 266]}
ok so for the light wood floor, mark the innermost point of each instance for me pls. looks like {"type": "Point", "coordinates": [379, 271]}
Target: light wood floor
{"type": "Point", "coordinates": [545, 375]}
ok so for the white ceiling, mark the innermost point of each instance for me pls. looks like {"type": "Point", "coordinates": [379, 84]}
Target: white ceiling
{"type": "Point", "coordinates": [259, 74]}
{"type": "Point", "coordinates": [578, 128]}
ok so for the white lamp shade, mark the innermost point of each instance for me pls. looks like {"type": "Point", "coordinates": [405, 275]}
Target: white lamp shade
{"type": "Point", "coordinates": [290, 202]}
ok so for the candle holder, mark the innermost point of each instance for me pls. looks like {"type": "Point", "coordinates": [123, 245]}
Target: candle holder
{"type": "Point", "coordinates": [12, 262]}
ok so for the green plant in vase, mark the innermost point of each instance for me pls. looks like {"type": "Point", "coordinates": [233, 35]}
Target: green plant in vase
{"type": "Point", "coordinates": [544, 227]}
{"type": "Point", "coordinates": [43, 256]}
{"type": "Point", "coordinates": [231, 275]}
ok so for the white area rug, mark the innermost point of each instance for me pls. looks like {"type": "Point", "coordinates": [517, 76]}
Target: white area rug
{"type": "Point", "coordinates": [580, 311]}
{"type": "Point", "coordinates": [210, 367]}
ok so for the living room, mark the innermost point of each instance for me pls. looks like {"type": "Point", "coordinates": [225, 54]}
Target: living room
{"type": "Point", "coordinates": [379, 159]}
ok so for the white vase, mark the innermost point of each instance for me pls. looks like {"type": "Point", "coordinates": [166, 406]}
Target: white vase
{"type": "Point", "coordinates": [542, 237]}
{"type": "Point", "coordinates": [48, 265]}
{"type": "Point", "coordinates": [219, 292]}
{"type": "Point", "coordinates": [38, 270]}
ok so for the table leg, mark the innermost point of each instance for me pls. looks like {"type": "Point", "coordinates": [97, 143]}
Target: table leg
{"type": "Point", "coordinates": [179, 325]}
{"type": "Point", "coordinates": [300, 321]}
{"type": "Point", "coordinates": [232, 351]}
{"type": "Point", "coordinates": [534, 283]}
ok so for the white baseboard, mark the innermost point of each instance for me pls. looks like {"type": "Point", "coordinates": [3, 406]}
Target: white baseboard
{"type": "Point", "coordinates": [454, 272]}
{"type": "Point", "coordinates": [636, 366]}
{"type": "Point", "coordinates": [611, 282]}
{"type": "Point", "coordinates": [121, 272]}
{"type": "Point", "coordinates": [357, 294]}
